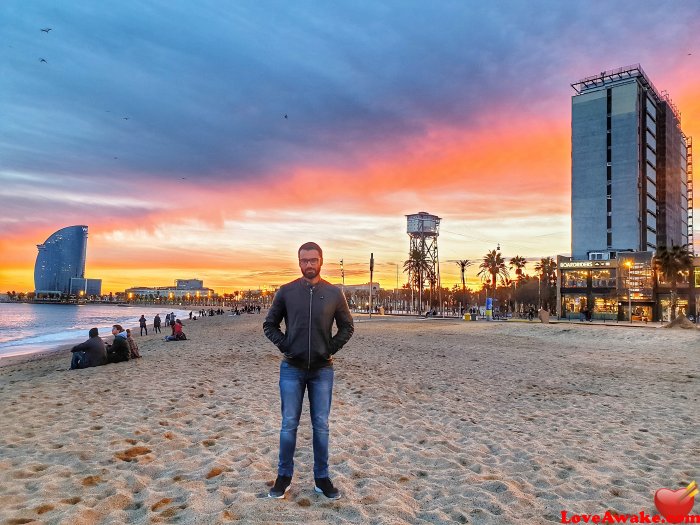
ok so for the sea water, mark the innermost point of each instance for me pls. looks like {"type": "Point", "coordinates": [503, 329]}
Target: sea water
{"type": "Point", "coordinates": [30, 328]}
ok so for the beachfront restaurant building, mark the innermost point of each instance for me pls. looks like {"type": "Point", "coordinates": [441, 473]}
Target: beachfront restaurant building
{"type": "Point", "coordinates": [184, 289]}
{"type": "Point", "coordinates": [621, 286]}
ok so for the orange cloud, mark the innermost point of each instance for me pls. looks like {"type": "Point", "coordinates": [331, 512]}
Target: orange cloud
{"type": "Point", "coordinates": [518, 168]}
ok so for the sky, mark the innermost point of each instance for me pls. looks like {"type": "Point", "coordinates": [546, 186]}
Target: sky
{"type": "Point", "coordinates": [210, 139]}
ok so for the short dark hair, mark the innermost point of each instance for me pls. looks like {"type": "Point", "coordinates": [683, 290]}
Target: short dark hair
{"type": "Point", "coordinates": [93, 332]}
{"type": "Point", "coordinates": [118, 327]}
{"type": "Point", "coordinates": [310, 246]}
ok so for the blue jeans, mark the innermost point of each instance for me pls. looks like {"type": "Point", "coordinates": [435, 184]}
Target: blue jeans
{"type": "Point", "coordinates": [78, 360]}
{"type": "Point", "coordinates": [293, 383]}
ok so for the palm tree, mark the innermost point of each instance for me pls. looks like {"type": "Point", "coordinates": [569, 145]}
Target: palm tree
{"type": "Point", "coordinates": [518, 263]}
{"type": "Point", "coordinates": [547, 269]}
{"type": "Point", "coordinates": [493, 266]}
{"type": "Point", "coordinates": [671, 262]}
{"type": "Point", "coordinates": [463, 265]}
{"type": "Point", "coordinates": [418, 267]}
{"type": "Point", "coordinates": [414, 266]}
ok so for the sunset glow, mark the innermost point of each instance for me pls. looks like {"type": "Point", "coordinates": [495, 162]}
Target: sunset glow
{"type": "Point", "coordinates": [217, 157]}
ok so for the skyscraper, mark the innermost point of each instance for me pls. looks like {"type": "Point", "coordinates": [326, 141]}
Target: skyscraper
{"type": "Point", "coordinates": [61, 259]}
{"type": "Point", "coordinates": [631, 186]}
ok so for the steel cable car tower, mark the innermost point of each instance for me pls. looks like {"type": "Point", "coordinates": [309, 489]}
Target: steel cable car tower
{"type": "Point", "coordinates": [423, 230]}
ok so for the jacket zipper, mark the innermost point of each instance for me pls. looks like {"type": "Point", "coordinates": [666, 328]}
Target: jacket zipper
{"type": "Point", "coordinates": [311, 300]}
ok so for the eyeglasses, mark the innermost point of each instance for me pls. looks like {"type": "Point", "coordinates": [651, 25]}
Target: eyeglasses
{"type": "Point", "coordinates": [312, 262]}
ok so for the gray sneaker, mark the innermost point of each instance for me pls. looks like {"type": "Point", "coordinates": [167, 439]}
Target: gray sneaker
{"type": "Point", "coordinates": [280, 488]}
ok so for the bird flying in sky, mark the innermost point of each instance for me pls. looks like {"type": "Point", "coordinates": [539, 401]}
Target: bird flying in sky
{"type": "Point", "coordinates": [46, 29]}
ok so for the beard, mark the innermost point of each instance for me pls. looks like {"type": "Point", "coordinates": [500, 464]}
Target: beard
{"type": "Point", "coordinates": [310, 273]}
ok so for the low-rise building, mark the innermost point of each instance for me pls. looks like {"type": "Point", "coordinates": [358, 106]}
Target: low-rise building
{"type": "Point", "coordinates": [613, 285]}
{"type": "Point", "coordinates": [189, 289]}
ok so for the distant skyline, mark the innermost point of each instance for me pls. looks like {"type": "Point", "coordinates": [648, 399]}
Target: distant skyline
{"type": "Point", "coordinates": [210, 140]}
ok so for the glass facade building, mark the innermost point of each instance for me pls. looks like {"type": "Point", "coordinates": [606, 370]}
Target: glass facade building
{"type": "Point", "coordinates": [631, 193]}
{"type": "Point", "coordinates": [61, 258]}
{"type": "Point", "coordinates": [85, 287]}
{"type": "Point", "coordinates": [631, 186]}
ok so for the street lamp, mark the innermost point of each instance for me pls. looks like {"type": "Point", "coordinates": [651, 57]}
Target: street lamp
{"type": "Point", "coordinates": [342, 274]}
{"type": "Point", "coordinates": [371, 277]}
{"type": "Point", "coordinates": [396, 290]}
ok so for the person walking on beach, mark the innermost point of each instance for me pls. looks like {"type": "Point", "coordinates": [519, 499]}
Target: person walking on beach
{"type": "Point", "coordinates": [156, 324]}
{"type": "Point", "coordinates": [90, 353]}
{"type": "Point", "coordinates": [167, 319]}
{"type": "Point", "coordinates": [142, 324]}
{"type": "Point", "coordinates": [308, 306]}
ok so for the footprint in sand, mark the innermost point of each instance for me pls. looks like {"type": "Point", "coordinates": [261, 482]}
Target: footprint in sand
{"type": "Point", "coordinates": [214, 472]}
{"type": "Point", "coordinates": [132, 453]}
{"type": "Point", "coordinates": [91, 481]}
{"type": "Point", "coordinates": [42, 509]}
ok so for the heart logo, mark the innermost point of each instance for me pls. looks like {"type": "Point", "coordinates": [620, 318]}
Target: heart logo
{"type": "Point", "coordinates": [675, 505]}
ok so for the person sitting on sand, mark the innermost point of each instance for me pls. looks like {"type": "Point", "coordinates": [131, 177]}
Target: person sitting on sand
{"type": "Point", "coordinates": [178, 334]}
{"type": "Point", "coordinates": [119, 349]}
{"type": "Point", "coordinates": [90, 353]}
{"type": "Point", "coordinates": [133, 347]}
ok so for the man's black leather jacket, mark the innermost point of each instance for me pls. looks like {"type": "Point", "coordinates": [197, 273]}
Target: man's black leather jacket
{"type": "Point", "coordinates": [308, 313]}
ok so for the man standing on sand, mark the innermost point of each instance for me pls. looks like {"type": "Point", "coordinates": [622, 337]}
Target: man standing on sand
{"type": "Point", "coordinates": [142, 324]}
{"type": "Point", "coordinates": [309, 306]}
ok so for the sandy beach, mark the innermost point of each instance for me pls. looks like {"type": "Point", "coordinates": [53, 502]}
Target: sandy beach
{"type": "Point", "coordinates": [433, 421]}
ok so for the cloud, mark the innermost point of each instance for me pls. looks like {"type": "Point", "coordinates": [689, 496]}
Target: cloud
{"type": "Point", "coordinates": [160, 119]}
{"type": "Point", "coordinates": [206, 89]}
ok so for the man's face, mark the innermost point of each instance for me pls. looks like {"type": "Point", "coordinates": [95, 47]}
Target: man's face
{"type": "Point", "coordinates": [310, 263]}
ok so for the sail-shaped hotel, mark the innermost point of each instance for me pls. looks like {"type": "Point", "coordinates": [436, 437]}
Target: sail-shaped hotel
{"type": "Point", "coordinates": [60, 264]}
